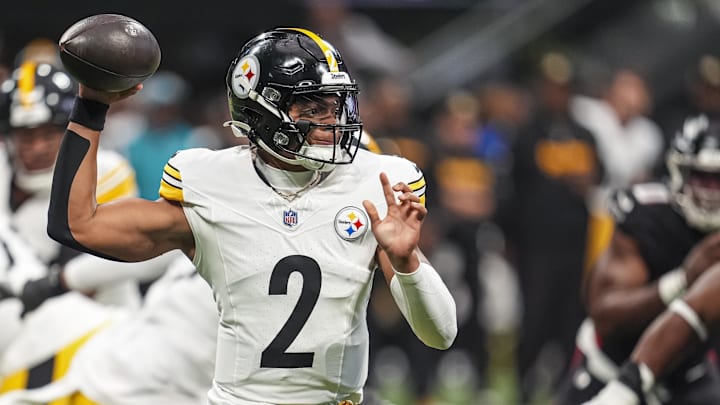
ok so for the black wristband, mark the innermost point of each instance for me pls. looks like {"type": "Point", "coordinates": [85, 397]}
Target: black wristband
{"type": "Point", "coordinates": [89, 113]}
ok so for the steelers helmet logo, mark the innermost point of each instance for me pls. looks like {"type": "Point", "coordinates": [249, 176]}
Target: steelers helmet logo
{"type": "Point", "coordinates": [351, 223]}
{"type": "Point", "coordinates": [245, 76]}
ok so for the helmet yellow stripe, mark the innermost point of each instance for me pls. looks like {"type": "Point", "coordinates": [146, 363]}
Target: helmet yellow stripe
{"type": "Point", "coordinates": [329, 55]}
{"type": "Point", "coordinates": [26, 82]}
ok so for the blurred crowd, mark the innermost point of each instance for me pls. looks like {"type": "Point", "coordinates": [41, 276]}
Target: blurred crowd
{"type": "Point", "coordinates": [518, 173]}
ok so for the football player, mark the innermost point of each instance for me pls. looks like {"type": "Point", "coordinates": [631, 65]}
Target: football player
{"type": "Point", "coordinates": [163, 354]}
{"type": "Point", "coordinates": [286, 231]}
{"type": "Point", "coordinates": [682, 327]}
{"type": "Point", "coordinates": [18, 264]}
{"type": "Point", "coordinates": [666, 238]}
{"type": "Point", "coordinates": [35, 103]}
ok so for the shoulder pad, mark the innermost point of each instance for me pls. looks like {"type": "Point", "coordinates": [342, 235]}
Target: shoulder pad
{"type": "Point", "coordinates": [622, 202]}
{"type": "Point", "coordinates": [651, 193]}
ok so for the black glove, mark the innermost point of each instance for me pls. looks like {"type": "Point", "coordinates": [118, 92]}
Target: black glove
{"type": "Point", "coordinates": [35, 292]}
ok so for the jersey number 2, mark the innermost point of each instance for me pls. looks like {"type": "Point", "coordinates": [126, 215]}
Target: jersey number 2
{"type": "Point", "coordinates": [275, 355]}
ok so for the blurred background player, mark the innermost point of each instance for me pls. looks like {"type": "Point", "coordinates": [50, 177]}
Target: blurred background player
{"type": "Point", "coordinates": [555, 168]}
{"type": "Point", "coordinates": [162, 354]}
{"type": "Point", "coordinates": [665, 238]}
{"type": "Point", "coordinates": [685, 326]}
{"type": "Point", "coordinates": [35, 103]}
{"type": "Point", "coordinates": [34, 107]}
{"type": "Point", "coordinates": [18, 264]}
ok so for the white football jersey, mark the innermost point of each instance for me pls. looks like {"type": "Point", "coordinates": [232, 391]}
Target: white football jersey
{"type": "Point", "coordinates": [163, 355]}
{"type": "Point", "coordinates": [116, 179]}
{"type": "Point", "coordinates": [291, 279]}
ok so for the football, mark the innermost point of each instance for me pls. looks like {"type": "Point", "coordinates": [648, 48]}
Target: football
{"type": "Point", "coordinates": [109, 52]}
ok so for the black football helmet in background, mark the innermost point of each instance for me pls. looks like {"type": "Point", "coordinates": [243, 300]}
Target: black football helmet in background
{"type": "Point", "coordinates": [694, 166]}
{"type": "Point", "coordinates": [278, 68]}
{"type": "Point", "coordinates": [37, 94]}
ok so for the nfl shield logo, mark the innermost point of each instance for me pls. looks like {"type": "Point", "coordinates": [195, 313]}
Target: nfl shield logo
{"type": "Point", "coordinates": [290, 218]}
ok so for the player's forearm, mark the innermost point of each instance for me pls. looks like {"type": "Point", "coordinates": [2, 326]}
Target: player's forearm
{"type": "Point", "coordinates": [685, 323]}
{"type": "Point", "coordinates": [72, 199]}
{"type": "Point", "coordinates": [626, 311]}
{"type": "Point", "coordinates": [663, 342]}
{"type": "Point", "coordinates": [427, 305]}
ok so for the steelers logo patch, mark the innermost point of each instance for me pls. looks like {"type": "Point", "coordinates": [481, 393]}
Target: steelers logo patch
{"type": "Point", "coordinates": [351, 223]}
{"type": "Point", "coordinates": [245, 76]}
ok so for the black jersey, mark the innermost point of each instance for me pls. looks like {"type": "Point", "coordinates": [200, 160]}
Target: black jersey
{"type": "Point", "coordinates": [646, 213]}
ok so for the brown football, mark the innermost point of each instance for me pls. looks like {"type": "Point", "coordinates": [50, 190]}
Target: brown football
{"type": "Point", "coordinates": [109, 52]}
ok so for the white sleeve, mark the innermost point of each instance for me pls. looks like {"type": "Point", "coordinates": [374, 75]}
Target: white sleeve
{"type": "Point", "coordinates": [18, 261]}
{"type": "Point", "coordinates": [427, 305]}
{"type": "Point", "coordinates": [90, 273]}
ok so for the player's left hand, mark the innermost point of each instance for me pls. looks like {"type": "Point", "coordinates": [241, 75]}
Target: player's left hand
{"type": "Point", "coordinates": [399, 232]}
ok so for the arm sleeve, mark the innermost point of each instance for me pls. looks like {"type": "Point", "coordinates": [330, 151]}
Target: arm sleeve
{"type": "Point", "coordinates": [427, 305]}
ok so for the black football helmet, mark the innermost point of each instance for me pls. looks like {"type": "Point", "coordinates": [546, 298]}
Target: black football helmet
{"type": "Point", "coordinates": [279, 68]}
{"type": "Point", "coordinates": [36, 94]}
{"type": "Point", "coordinates": [694, 166]}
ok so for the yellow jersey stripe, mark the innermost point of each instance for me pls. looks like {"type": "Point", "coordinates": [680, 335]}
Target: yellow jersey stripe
{"type": "Point", "coordinates": [170, 192]}
{"type": "Point", "coordinates": [62, 364]}
{"type": "Point", "coordinates": [15, 381]}
{"type": "Point", "coordinates": [114, 172]}
{"type": "Point", "coordinates": [373, 147]}
{"type": "Point", "coordinates": [79, 399]}
{"type": "Point", "coordinates": [417, 184]}
{"type": "Point", "coordinates": [127, 188]}
{"type": "Point", "coordinates": [329, 55]}
{"type": "Point", "coordinates": [172, 172]}
{"type": "Point", "coordinates": [120, 177]}
{"type": "Point", "coordinates": [58, 366]}
{"type": "Point", "coordinates": [65, 355]}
